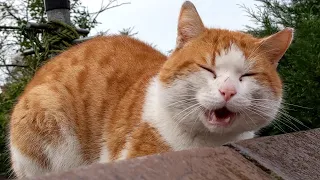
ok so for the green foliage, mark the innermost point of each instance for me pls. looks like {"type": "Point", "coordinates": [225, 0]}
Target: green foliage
{"type": "Point", "coordinates": [300, 67]}
{"type": "Point", "coordinates": [7, 100]}
{"type": "Point", "coordinates": [18, 13]}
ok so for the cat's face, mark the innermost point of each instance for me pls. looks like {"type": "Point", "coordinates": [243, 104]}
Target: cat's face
{"type": "Point", "coordinates": [222, 81]}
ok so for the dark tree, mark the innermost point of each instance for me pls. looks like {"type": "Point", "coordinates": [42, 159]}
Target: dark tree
{"type": "Point", "coordinates": [300, 67]}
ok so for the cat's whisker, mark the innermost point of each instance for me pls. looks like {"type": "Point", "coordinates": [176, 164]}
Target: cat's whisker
{"type": "Point", "coordinates": [293, 129]}
{"type": "Point", "coordinates": [185, 96]}
{"type": "Point", "coordinates": [285, 115]}
{"type": "Point", "coordinates": [191, 87]}
{"type": "Point", "coordinates": [186, 109]}
{"type": "Point", "coordinates": [273, 106]}
{"type": "Point", "coordinates": [191, 110]}
{"type": "Point", "coordinates": [245, 120]}
{"type": "Point", "coordinates": [288, 104]}
{"type": "Point", "coordinates": [196, 120]}
{"type": "Point", "coordinates": [293, 118]}
{"type": "Point", "coordinates": [253, 111]}
{"type": "Point", "coordinates": [259, 112]}
{"type": "Point", "coordinates": [281, 103]}
{"type": "Point", "coordinates": [263, 103]}
{"type": "Point", "coordinates": [182, 102]}
{"type": "Point", "coordinates": [280, 117]}
{"type": "Point", "coordinates": [249, 118]}
{"type": "Point", "coordinates": [276, 125]}
{"type": "Point", "coordinates": [262, 112]}
{"type": "Point", "coordinates": [286, 121]}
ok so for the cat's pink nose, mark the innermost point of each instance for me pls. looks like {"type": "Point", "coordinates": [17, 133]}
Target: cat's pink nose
{"type": "Point", "coordinates": [227, 92]}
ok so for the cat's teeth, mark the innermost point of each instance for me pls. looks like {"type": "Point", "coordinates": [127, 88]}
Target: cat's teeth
{"type": "Point", "coordinates": [227, 120]}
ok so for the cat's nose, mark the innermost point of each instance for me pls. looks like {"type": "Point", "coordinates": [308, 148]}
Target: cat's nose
{"type": "Point", "coordinates": [227, 92]}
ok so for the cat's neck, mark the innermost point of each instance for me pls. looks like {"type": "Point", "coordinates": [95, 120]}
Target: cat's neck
{"type": "Point", "coordinates": [177, 136]}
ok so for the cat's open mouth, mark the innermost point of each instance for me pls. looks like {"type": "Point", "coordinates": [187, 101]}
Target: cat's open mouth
{"type": "Point", "coordinates": [220, 117]}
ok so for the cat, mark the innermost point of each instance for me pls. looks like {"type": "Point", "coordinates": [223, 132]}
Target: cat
{"type": "Point", "coordinates": [114, 98]}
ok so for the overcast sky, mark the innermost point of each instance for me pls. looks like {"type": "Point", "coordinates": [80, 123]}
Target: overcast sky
{"type": "Point", "coordinates": [156, 20]}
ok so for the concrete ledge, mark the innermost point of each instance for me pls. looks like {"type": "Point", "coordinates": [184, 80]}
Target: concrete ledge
{"type": "Point", "coordinates": [208, 163]}
{"type": "Point", "coordinates": [290, 156]}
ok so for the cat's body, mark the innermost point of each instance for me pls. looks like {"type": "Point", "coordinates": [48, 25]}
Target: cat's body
{"type": "Point", "coordinates": [114, 98]}
{"type": "Point", "coordinates": [89, 102]}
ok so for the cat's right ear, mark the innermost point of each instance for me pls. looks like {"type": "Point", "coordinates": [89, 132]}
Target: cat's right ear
{"type": "Point", "coordinates": [276, 45]}
{"type": "Point", "coordinates": [190, 24]}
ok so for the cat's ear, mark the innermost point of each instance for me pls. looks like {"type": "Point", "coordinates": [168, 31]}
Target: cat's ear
{"type": "Point", "coordinates": [276, 45]}
{"type": "Point", "coordinates": [190, 24]}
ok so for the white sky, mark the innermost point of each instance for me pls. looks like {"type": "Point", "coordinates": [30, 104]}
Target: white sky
{"type": "Point", "coordinates": [156, 20]}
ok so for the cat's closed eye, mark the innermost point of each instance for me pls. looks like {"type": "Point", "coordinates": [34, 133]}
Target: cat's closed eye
{"type": "Point", "coordinates": [208, 69]}
{"type": "Point", "coordinates": [247, 75]}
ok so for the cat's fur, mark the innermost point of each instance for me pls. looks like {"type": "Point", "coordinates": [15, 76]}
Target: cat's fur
{"type": "Point", "coordinates": [115, 97]}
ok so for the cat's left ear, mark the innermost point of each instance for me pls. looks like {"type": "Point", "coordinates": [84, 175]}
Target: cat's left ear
{"type": "Point", "coordinates": [190, 24]}
{"type": "Point", "coordinates": [276, 45]}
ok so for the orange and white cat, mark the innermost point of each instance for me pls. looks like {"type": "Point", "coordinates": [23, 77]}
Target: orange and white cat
{"type": "Point", "coordinates": [115, 97]}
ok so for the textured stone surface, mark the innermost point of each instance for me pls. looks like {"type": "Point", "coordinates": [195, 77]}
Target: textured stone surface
{"type": "Point", "coordinates": [290, 156]}
{"type": "Point", "coordinates": [218, 163]}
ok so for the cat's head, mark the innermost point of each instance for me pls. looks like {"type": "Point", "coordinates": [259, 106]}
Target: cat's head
{"type": "Point", "coordinates": [220, 80]}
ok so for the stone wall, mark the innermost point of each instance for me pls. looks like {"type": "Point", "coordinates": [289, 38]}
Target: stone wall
{"type": "Point", "coordinates": [290, 156]}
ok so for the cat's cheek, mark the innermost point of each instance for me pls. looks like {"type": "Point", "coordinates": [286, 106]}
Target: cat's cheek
{"type": "Point", "coordinates": [270, 82]}
{"type": "Point", "coordinates": [201, 97]}
{"type": "Point", "coordinates": [262, 91]}
{"type": "Point", "coordinates": [247, 85]}
{"type": "Point", "coordinates": [251, 89]}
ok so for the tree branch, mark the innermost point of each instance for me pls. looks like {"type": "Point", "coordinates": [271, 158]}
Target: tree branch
{"type": "Point", "coordinates": [10, 27]}
{"type": "Point", "coordinates": [108, 6]}
{"type": "Point", "coordinates": [13, 65]}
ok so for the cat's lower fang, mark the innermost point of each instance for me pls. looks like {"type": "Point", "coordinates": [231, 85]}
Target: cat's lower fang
{"type": "Point", "coordinates": [223, 122]}
{"type": "Point", "coordinates": [213, 120]}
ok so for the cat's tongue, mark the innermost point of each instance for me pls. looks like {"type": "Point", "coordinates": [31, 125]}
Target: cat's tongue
{"type": "Point", "coordinates": [220, 117]}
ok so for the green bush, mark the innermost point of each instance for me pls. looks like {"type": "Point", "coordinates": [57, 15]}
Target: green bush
{"type": "Point", "coordinates": [300, 66]}
{"type": "Point", "coordinates": [7, 100]}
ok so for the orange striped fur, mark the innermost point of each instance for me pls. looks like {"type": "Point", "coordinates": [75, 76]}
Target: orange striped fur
{"type": "Point", "coordinates": [113, 98]}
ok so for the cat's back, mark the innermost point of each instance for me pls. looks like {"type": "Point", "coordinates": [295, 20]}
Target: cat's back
{"type": "Point", "coordinates": [105, 55]}
{"type": "Point", "coordinates": [93, 88]}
